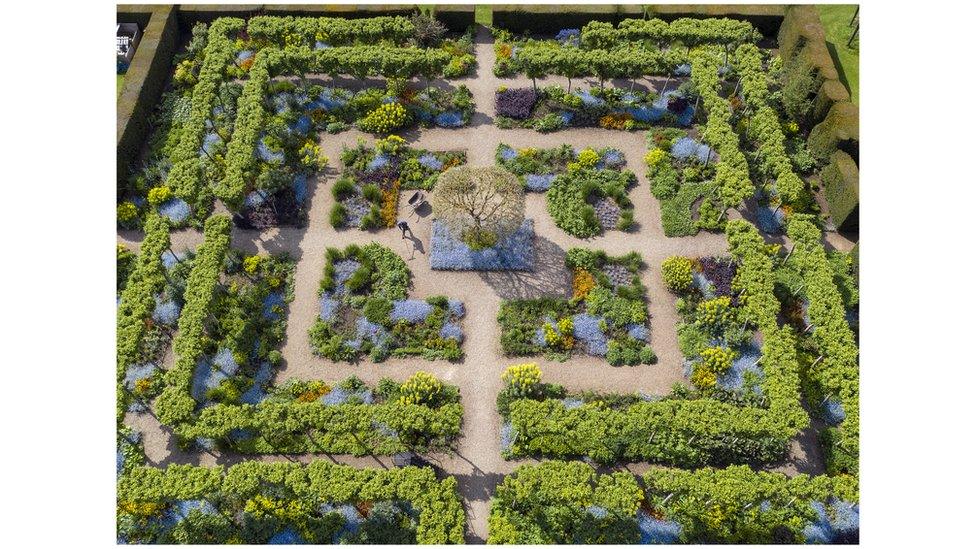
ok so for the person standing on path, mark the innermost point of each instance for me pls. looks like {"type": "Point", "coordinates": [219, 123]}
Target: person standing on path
{"type": "Point", "coordinates": [404, 229]}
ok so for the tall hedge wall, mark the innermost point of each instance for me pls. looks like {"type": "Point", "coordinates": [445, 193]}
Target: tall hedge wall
{"type": "Point", "coordinates": [550, 18]}
{"type": "Point", "coordinates": [840, 182]}
{"type": "Point", "coordinates": [143, 85]}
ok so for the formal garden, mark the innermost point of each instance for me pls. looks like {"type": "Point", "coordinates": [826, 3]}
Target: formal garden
{"type": "Point", "coordinates": [403, 278]}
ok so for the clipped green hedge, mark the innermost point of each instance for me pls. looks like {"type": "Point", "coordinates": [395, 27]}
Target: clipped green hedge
{"type": "Point", "coordinates": [738, 505]}
{"type": "Point", "coordinates": [687, 31]}
{"type": "Point", "coordinates": [550, 18]}
{"type": "Point", "coordinates": [137, 302]}
{"type": "Point", "coordinates": [685, 432]}
{"type": "Point", "coordinates": [731, 171]}
{"type": "Point", "coordinates": [186, 176]}
{"type": "Point", "coordinates": [175, 405]}
{"type": "Point", "coordinates": [558, 502]}
{"type": "Point", "coordinates": [840, 129]}
{"type": "Point", "coordinates": [143, 86]}
{"type": "Point", "coordinates": [841, 185]}
{"type": "Point", "coordinates": [550, 503]}
{"type": "Point", "coordinates": [764, 125]}
{"type": "Point", "coordinates": [300, 488]}
{"type": "Point", "coordinates": [836, 374]}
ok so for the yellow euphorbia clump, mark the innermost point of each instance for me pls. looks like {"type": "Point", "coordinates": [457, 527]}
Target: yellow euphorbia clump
{"type": "Point", "coordinates": [522, 377]}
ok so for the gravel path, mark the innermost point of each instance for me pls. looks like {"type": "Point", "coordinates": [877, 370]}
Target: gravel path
{"type": "Point", "coordinates": [476, 460]}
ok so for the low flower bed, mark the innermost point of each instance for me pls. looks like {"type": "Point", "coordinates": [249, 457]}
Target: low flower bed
{"type": "Point", "coordinates": [364, 310]}
{"type": "Point", "coordinates": [586, 190]}
{"type": "Point", "coordinates": [537, 168]}
{"type": "Point", "coordinates": [682, 172]}
{"type": "Point", "coordinates": [552, 108]}
{"type": "Point", "coordinates": [368, 193]}
{"type": "Point", "coordinates": [607, 315]}
{"type": "Point", "coordinates": [723, 355]}
{"type": "Point", "coordinates": [587, 202]}
{"type": "Point", "coordinates": [378, 110]}
{"type": "Point", "coordinates": [514, 253]}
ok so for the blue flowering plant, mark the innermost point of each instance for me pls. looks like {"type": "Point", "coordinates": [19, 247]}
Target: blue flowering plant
{"type": "Point", "coordinates": [365, 311]}
{"type": "Point", "coordinates": [682, 174]}
{"type": "Point", "coordinates": [250, 321]}
{"type": "Point", "coordinates": [606, 315]}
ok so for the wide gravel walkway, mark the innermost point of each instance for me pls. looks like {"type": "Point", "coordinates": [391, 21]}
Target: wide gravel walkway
{"type": "Point", "coordinates": [476, 459]}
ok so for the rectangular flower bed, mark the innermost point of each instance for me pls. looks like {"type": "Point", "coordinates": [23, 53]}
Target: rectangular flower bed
{"type": "Point", "coordinates": [537, 168]}
{"type": "Point", "coordinates": [368, 192]}
{"type": "Point", "coordinates": [607, 315]}
{"type": "Point", "coordinates": [552, 108]}
{"type": "Point", "coordinates": [364, 311]}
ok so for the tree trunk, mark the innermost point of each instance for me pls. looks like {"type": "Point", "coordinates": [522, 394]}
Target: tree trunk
{"type": "Point", "coordinates": [569, 85]}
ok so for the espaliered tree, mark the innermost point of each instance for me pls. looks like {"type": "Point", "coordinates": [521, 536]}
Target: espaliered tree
{"type": "Point", "coordinates": [540, 60]}
{"type": "Point", "coordinates": [300, 488]}
{"type": "Point", "coordinates": [175, 405]}
{"type": "Point", "coordinates": [764, 125]}
{"type": "Point", "coordinates": [186, 176]}
{"type": "Point", "coordinates": [835, 372]}
{"type": "Point", "coordinates": [334, 31]}
{"type": "Point", "coordinates": [137, 302]}
{"type": "Point", "coordinates": [731, 171]}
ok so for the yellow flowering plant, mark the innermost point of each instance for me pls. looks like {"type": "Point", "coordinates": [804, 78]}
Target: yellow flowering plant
{"type": "Point", "coordinates": [126, 211]}
{"type": "Point", "coordinates": [522, 379]}
{"type": "Point", "coordinates": [421, 388]}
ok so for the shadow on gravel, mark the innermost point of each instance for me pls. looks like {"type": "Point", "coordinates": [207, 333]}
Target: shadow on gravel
{"type": "Point", "coordinates": [549, 279]}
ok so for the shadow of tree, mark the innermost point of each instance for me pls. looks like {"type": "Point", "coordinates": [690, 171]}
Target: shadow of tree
{"type": "Point", "coordinates": [550, 278]}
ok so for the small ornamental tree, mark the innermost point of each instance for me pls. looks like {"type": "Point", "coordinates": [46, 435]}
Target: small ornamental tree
{"type": "Point", "coordinates": [480, 205]}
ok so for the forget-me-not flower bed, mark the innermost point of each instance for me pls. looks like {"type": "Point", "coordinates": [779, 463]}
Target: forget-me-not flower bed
{"type": "Point", "coordinates": [514, 253]}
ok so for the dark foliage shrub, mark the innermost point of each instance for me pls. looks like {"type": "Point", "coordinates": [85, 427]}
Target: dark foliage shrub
{"type": "Point", "coordinates": [516, 103]}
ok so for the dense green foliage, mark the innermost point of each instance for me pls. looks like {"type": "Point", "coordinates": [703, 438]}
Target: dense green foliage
{"type": "Point", "coordinates": [836, 375]}
{"type": "Point", "coordinates": [551, 503]}
{"type": "Point", "coordinates": [366, 298]}
{"type": "Point", "coordinates": [687, 31]}
{"type": "Point", "coordinates": [764, 125]}
{"type": "Point", "coordinates": [252, 502]}
{"type": "Point", "coordinates": [175, 405]}
{"type": "Point", "coordinates": [570, 196]}
{"type": "Point", "coordinates": [384, 30]}
{"type": "Point", "coordinates": [638, 47]}
{"type": "Point", "coordinates": [136, 302]}
{"type": "Point", "coordinates": [739, 505]}
{"type": "Point", "coordinates": [296, 419]}
{"type": "Point", "coordinates": [559, 502]}
{"type": "Point", "coordinates": [186, 176]}
{"type": "Point", "coordinates": [731, 171]}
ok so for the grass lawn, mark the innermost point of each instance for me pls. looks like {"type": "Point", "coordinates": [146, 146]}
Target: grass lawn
{"type": "Point", "coordinates": [482, 14]}
{"type": "Point", "coordinates": [118, 84]}
{"type": "Point", "coordinates": [836, 19]}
